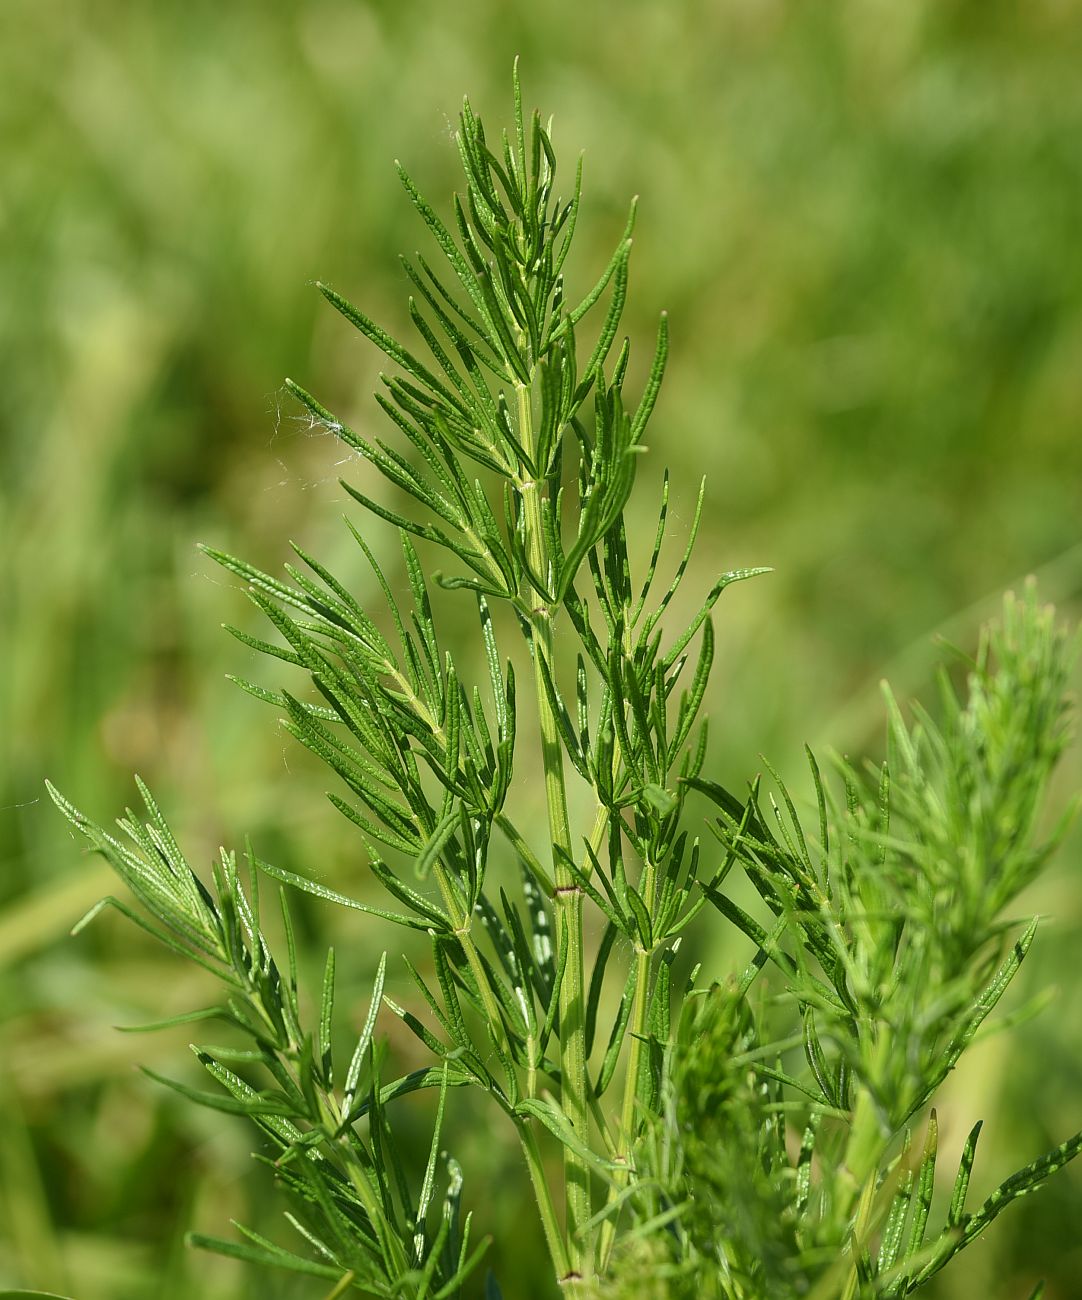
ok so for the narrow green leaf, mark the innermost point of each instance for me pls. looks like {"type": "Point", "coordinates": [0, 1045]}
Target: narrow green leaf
{"type": "Point", "coordinates": [653, 382]}
{"type": "Point", "coordinates": [642, 919]}
{"type": "Point", "coordinates": [616, 1038]}
{"type": "Point", "coordinates": [557, 1123]}
{"type": "Point", "coordinates": [890, 1242]}
{"type": "Point", "coordinates": [437, 841]}
{"type": "Point", "coordinates": [956, 1213]}
{"type": "Point", "coordinates": [364, 1040]}
{"type": "Point", "coordinates": [980, 1010]}
{"type": "Point", "coordinates": [254, 1105]}
{"type": "Point", "coordinates": [332, 896]}
{"type": "Point", "coordinates": [925, 1186]}
{"type": "Point", "coordinates": [185, 1018]}
{"type": "Point", "coordinates": [429, 1181]}
{"type": "Point", "coordinates": [597, 980]}
{"type": "Point", "coordinates": [726, 580]}
{"type": "Point", "coordinates": [29, 1295]}
{"type": "Point", "coordinates": [266, 1256]}
{"type": "Point", "coordinates": [1020, 1184]}
{"type": "Point", "coordinates": [452, 253]}
{"type": "Point", "coordinates": [326, 1018]}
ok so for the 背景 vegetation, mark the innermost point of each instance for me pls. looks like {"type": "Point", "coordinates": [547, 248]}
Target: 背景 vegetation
{"type": "Point", "coordinates": [765, 1136]}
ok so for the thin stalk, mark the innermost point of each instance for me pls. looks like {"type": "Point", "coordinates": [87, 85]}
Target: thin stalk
{"type": "Point", "coordinates": [390, 1245]}
{"type": "Point", "coordinates": [597, 836]}
{"type": "Point", "coordinates": [549, 1222]}
{"type": "Point", "coordinates": [461, 925]}
{"type": "Point", "coordinates": [568, 895]}
{"type": "Point", "coordinates": [639, 1013]}
{"type": "Point", "coordinates": [342, 1286]}
{"type": "Point", "coordinates": [640, 1010]}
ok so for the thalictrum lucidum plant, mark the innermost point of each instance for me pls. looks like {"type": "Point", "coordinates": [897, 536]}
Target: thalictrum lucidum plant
{"type": "Point", "coordinates": [767, 1136]}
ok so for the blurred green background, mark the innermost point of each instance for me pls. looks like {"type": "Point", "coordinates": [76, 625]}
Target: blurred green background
{"type": "Point", "coordinates": [865, 220]}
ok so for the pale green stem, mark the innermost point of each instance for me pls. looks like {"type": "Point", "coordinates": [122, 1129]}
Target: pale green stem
{"type": "Point", "coordinates": [461, 924]}
{"type": "Point", "coordinates": [549, 1221]}
{"type": "Point", "coordinates": [637, 1034]}
{"type": "Point", "coordinates": [390, 1245]}
{"type": "Point", "coordinates": [342, 1286]}
{"type": "Point", "coordinates": [597, 836]}
{"type": "Point", "coordinates": [865, 1144]}
{"type": "Point", "coordinates": [568, 895]}
{"type": "Point", "coordinates": [863, 1152]}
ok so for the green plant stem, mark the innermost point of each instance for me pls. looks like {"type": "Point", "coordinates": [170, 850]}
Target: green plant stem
{"type": "Point", "coordinates": [461, 923]}
{"type": "Point", "coordinates": [865, 1145]}
{"type": "Point", "coordinates": [549, 1222]}
{"type": "Point", "coordinates": [863, 1154]}
{"type": "Point", "coordinates": [342, 1286]}
{"type": "Point", "coordinates": [568, 895]}
{"type": "Point", "coordinates": [390, 1245]}
{"type": "Point", "coordinates": [640, 1010]}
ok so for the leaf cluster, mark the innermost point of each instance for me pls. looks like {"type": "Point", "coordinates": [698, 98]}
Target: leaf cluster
{"type": "Point", "coordinates": [359, 1222]}
{"type": "Point", "coordinates": [885, 956]}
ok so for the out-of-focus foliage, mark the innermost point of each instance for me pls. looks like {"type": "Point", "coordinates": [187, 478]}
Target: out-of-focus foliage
{"type": "Point", "coordinates": [862, 218]}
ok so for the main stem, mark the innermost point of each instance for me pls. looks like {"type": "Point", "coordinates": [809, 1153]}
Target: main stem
{"type": "Point", "coordinates": [568, 899]}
